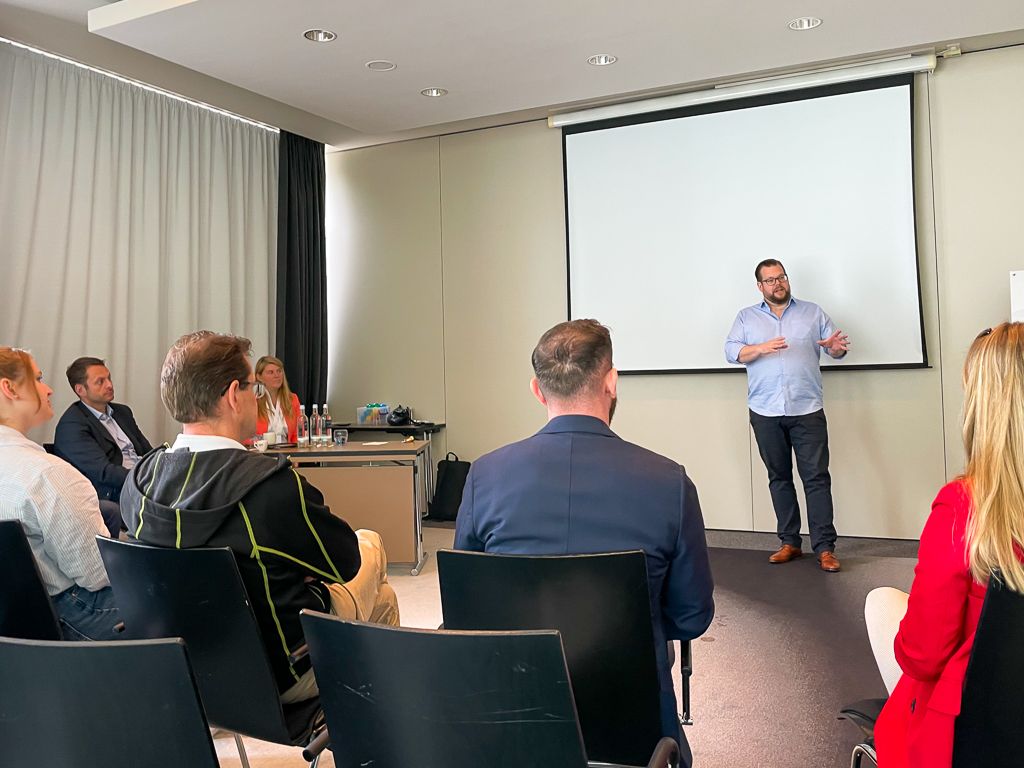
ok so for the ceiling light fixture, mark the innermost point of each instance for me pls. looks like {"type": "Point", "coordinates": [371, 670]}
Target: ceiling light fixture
{"type": "Point", "coordinates": [380, 65]}
{"type": "Point", "coordinates": [319, 35]}
{"type": "Point", "coordinates": [804, 23]}
{"type": "Point", "coordinates": [434, 93]}
{"type": "Point", "coordinates": [602, 59]}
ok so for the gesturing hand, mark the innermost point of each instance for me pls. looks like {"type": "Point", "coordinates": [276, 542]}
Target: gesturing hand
{"type": "Point", "coordinates": [774, 345]}
{"type": "Point", "coordinates": [836, 345]}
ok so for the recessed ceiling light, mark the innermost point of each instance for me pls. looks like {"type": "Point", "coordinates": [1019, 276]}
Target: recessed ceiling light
{"type": "Point", "coordinates": [434, 92]}
{"type": "Point", "coordinates": [804, 23]}
{"type": "Point", "coordinates": [380, 65]}
{"type": "Point", "coordinates": [319, 35]}
{"type": "Point", "coordinates": [602, 59]}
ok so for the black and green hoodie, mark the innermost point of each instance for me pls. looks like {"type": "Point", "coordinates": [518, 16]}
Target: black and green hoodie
{"type": "Point", "coordinates": [271, 518]}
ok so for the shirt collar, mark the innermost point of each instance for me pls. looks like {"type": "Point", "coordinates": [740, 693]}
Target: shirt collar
{"type": "Point", "coordinates": [200, 443]}
{"type": "Point", "coordinates": [108, 412]}
{"type": "Point", "coordinates": [764, 306]}
{"type": "Point", "coordinates": [577, 423]}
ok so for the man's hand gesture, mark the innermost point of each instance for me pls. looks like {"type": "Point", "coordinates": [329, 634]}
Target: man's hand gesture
{"type": "Point", "coordinates": [773, 345]}
{"type": "Point", "coordinates": [836, 345]}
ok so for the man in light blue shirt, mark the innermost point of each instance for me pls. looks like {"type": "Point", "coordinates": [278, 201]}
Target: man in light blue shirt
{"type": "Point", "coordinates": [780, 341]}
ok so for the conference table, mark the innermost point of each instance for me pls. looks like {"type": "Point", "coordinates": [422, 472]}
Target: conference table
{"type": "Point", "coordinates": [377, 485]}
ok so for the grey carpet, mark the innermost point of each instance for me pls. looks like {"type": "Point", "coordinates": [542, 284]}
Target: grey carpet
{"type": "Point", "coordinates": [788, 647]}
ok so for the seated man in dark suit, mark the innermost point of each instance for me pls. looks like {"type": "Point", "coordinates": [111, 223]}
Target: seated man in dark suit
{"type": "Point", "coordinates": [98, 436]}
{"type": "Point", "coordinates": [575, 487]}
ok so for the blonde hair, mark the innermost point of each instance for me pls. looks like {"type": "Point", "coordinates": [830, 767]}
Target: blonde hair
{"type": "Point", "coordinates": [994, 443]}
{"type": "Point", "coordinates": [284, 395]}
{"type": "Point", "coordinates": [16, 365]}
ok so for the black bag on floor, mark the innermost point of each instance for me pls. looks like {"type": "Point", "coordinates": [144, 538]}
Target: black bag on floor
{"type": "Point", "coordinates": [451, 479]}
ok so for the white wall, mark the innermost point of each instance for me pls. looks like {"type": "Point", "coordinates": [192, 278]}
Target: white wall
{"type": "Point", "coordinates": [478, 220]}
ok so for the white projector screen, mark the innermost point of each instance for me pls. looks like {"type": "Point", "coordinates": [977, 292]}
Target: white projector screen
{"type": "Point", "coordinates": [668, 215]}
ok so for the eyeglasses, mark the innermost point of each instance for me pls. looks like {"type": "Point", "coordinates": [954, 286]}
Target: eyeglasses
{"type": "Point", "coordinates": [259, 389]}
{"type": "Point", "coordinates": [770, 281]}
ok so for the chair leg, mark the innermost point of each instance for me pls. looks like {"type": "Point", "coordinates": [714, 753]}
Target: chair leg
{"type": "Point", "coordinates": [241, 751]}
{"type": "Point", "coordinates": [315, 761]}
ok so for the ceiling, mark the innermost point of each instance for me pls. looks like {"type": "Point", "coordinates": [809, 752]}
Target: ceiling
{"type": "Point", "coordinates": [501, 61]}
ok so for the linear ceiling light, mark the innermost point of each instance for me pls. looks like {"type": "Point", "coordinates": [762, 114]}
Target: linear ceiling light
{"type": "Point", "coordinates": [781, 84]}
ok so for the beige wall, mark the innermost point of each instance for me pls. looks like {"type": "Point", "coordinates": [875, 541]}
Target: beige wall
{"type": "Point", "coordinates": [479, 218]}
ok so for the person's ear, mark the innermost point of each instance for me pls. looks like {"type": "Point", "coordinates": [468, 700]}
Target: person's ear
{"type": "Point", "coordinates": [535, 388]}
{"type": "Point", "coordinates": [611, 382]}
{"type": "Point", "coordinates": [8, 390]}
{"type": "Point", "coordinates": [80, 390]}
{"type": "Point", "coordinates": [232, 396]}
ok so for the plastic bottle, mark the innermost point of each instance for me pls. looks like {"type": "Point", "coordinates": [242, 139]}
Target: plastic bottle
{"type": "Point", "coordinates": [302, 428]}
{"type": "Point", "coordinates": [316, 428]}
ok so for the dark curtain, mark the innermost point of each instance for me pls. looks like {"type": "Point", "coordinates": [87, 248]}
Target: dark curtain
{"type": "Point", "coordinates": [302, 268]}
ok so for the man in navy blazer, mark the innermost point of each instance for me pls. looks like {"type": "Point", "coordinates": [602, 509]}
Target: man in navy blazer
{"type": "Point", "coordinates": [576, 487]}
{"type": "Point", "coordinates": [98, 436]}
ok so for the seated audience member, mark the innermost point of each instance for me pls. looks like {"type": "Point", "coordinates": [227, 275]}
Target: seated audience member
{"type": "Point", "coordinates": [55, 504]}
{"type": "Point", "coordinates": [98, 436]}
{"type": "Point", "coordinates": [575, 487]}
{"type": "Point", "coordinates": [278, 408]}
{"type": "Point", "coordinates": [976, 526]}
{"type": "Point", "coordinates": [208, 491]}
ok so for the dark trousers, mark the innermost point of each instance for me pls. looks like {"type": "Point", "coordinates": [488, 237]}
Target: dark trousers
{"type": "Point", "coordinates": [778, 439]}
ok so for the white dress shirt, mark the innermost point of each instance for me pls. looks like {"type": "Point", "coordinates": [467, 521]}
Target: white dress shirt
{"type": "Point", "coordinates": [58, 509]}
{"type": "Point", "coordinates": [129, 456]}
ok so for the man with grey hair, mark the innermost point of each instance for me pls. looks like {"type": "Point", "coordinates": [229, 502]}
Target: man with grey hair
{"type": "Point", "coordinates": [208, 491]}
{"type": "Point", "coordinates": [575, 487]}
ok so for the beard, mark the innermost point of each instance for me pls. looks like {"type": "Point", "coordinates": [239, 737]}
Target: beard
{"type": "Point", "coordinates": [779, 300]}
{"type": "Point", "coordinates": [611, 408]}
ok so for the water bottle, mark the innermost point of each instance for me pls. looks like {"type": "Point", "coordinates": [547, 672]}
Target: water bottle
{"type": "Point", "coordinates": [302, 428]}
{"type": "Point", "coordinates": [316, 428]}
{"type": "Point", "coordinates": [328, 423]}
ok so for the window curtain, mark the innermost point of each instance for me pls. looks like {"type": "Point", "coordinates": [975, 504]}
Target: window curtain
{"type": "Point", "coordinates": [127, 218]}
{"type": "Point", "coordinates": [302, 268]}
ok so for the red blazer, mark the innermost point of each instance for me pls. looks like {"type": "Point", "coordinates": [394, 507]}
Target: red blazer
{"type": "Point", "coordinates": [915, 729]}
{"type": "Point", "coordinates": [262, 426]}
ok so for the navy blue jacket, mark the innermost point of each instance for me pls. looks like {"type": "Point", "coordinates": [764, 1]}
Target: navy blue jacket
{"type": "Point", "coordinates": [577, 488]}
{"type": "Point", "coordinates": [82, 441]}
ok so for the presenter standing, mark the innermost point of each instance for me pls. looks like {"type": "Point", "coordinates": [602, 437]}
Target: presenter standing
{"type": "Point", "coordinates": [780, 341]}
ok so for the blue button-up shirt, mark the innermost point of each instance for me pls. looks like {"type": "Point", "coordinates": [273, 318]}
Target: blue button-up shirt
{"type": "Point", "coordinates": [106, 418]}
{"type": "Point", "coordinates": [788, 382]}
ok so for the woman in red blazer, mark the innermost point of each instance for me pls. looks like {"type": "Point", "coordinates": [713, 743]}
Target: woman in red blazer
{"type": "Point", "coordinates": [279, 409]}
{"type": "Point", "coordinates": [976, 526]}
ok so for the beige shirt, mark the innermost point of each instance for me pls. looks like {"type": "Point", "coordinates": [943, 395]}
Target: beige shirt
{"type": "Point", "coordinates": [57, 508]}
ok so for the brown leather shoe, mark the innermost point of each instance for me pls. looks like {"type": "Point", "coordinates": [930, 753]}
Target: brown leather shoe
{"type": "Point", "coordinates": [828, 562]}
{"type": "Point", "coordinates": [786, 553]}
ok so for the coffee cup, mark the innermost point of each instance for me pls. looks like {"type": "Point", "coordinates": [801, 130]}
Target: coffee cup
{"type": "Point", "coordinates": [260, 445]}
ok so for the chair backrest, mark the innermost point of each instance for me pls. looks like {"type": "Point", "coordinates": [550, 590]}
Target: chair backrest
{"type": "Point", "coordinates": [600, 605]}
{"type": "Point", "coordinates": [198, 595]}
{"type": "Point", "coordinates": [101, 705]}
{"type": "Point", "coordinates": [988, 730]}
{"type": "Point", "coordinates": [443, 699]}
{"type": "Point", "coordinates": [25, 609]}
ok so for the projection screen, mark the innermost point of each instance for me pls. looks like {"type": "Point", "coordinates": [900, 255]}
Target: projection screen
{"type": "Point", "coordinates": [668, 214]}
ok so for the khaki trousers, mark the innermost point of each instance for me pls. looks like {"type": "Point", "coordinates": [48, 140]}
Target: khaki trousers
{"type": "Point", "coordinates": [366, 597]}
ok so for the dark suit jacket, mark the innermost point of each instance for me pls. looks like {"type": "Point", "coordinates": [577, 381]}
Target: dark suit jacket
{"type": "Point", "coordinates": [82, 441]}
{"type": "Point", "coordinates": [577, 488]}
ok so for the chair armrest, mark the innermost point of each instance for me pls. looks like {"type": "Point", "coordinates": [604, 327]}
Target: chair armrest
{"type": "Point", "coordinates": [864, 714]}
{"type": "Point", "coordinates": [317, 744]}
{"type": "Point", "coordinates": [299, 653]}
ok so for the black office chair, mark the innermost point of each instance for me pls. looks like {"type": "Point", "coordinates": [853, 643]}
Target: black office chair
{"type": "Point", "coordinates": [101, 705]}
{"type": "Point", "coordinates": [864, 714]}
{"type": "Point", "coordinates": [398, 697]}
{"type": "Point", "coordinates": [198, 595]}
{"type": "Point", "coordinates": [25, 609]}
{"type": "Point", "coordinates": [600, 605]}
